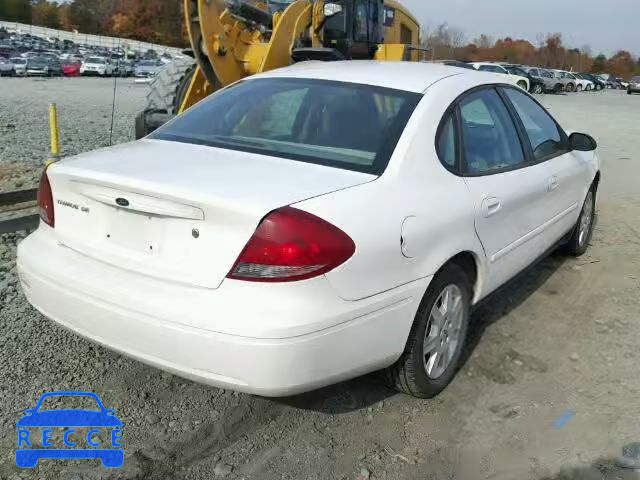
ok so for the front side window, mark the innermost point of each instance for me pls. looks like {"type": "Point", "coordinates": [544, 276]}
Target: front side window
{"type": "Point", "coordinates": [544, 135]}
{"type": "Point", "coordinates": [490, 138]}
{"type": "Point", "coordinates": [344, 125]}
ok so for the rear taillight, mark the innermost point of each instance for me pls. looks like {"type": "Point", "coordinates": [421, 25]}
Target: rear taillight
{"type": "Point", "coordinates": [291, 245]}
{"type": "Point", "coordinates": [45, 200]}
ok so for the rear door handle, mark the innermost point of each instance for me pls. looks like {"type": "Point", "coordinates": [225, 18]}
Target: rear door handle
{"type": "Point", "coordinates": [553, 183]}
{"type": "Point", "coordinates": [491, 206]}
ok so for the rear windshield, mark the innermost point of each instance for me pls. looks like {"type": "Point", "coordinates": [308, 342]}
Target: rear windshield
{"type": "Point", "coordinates": [344, 125]}
{"type": "Point", "coordinates": [95, 60]}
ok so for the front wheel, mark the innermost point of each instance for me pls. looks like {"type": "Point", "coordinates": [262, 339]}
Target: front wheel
{"type": "Point", "coordinates": [523, 85]}
{"type": "Point", "coordinates": [436, 342]}
{"type": "Point", "coordinates": [539, 89]}
{"type": "Point", "coordinates": [583, 231]}
{"type": "Point", "coordinates": [579, 88]}
{"type": "Point", "coordinates": [570, 87]}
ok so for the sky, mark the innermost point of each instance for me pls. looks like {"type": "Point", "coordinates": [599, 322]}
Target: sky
{"type": "Point", "coordinates": [606, 26]}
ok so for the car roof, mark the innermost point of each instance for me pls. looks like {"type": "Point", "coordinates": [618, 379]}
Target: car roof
{"type": "Point", "coordinates": [409, 76]}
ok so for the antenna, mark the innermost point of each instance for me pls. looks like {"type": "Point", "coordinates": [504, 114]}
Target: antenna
{"type": "Point", "coordinates": [115, 82]}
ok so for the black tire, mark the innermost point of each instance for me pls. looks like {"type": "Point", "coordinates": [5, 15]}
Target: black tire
{"type": "Point", "coordinates": [629, 92]}
{"type": "Point", "coordinates": [539, 89]}
{"type": "Point", "coordinates": [570, 88]}
{"type": "Point", "coordinates": [578, 243]}
{"type": "Point", "coordinates": [166, 95]}
{"type": "Point", "coordinates": [168, 87]}
{"type": "Point", "coordinates": [409, 373]}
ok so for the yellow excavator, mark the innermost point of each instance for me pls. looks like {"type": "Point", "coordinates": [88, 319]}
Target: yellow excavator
{"type": "Point", "coordinates": [233, 39]}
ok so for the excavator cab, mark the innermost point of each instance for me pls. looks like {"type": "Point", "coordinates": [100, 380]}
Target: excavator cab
{"type": "Point", "coordinates": [352, 29]}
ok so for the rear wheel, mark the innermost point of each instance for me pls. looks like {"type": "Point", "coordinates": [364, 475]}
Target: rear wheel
{"type": "Point", "coordinates": [167, 92]}
{"type": "Point", "coordinates": [579, 88]}
{"type": "Point", "coordinates": [539, 89]}
{"type": "Point", "coordinates": [570, 87]}
{"type": "Point", "coordinates": [579, 241]}
{"type": "Point", "coordinates": [523, 85]}
{"type": "Point", "coordinates": [434, 349]}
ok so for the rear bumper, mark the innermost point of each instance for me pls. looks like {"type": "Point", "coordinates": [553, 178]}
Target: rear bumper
{"type": "Point", "coordinates": [283, 357]}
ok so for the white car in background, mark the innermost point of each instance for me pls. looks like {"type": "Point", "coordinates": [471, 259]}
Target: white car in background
{"type": "Point", "coordinates": [310, 225]}
{"type": "Point", "coordinates": [19, 66]}
{"type": "Point", "coordinates": [99, 66]}
{"type": "Point", "coordinates": [517, 80]}
{"type": "Point", "coordinates": [581, 84]}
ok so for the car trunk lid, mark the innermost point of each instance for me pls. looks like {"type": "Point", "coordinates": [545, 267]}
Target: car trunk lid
{"type": "Point", "coordinates": [177, 211]}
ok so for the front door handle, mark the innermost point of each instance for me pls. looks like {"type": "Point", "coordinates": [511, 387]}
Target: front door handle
{"type": "Point", "coordinates": [491, 206]}
{"type": "Point", "coordinates": [553, 183]}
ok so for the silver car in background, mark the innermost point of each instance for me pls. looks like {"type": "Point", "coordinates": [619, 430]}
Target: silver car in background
{"type": "Point", "coordinates": [551, 84]}
{"type": "Point", "coordinates": [6, 68]}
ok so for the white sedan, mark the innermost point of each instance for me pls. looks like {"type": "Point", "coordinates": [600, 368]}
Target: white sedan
{"type": "Point", "coordinates": [311, 225]}
{"type": "Point", "coordinates": [508, 77]}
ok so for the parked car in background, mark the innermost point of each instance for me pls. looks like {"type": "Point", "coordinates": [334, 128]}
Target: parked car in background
{"type": "Point", "coordinates": [624, 84]}
{"type": "Point", "coordinates": [6, 68]}
{"type": "Point", "coordinates": [6, 50]}
{"type": "Point", "coordinates": [99, 66]}
{"type": "Point", "coordinates": [454, 63]}
{"type": "Point", "coordinates": [568, 85]}
{"type": "Point", "coordinates": [55, 67]}
{"type": "Point", "coordinates": [38, 67]}
{"type": "Point", "coordinates": [582, 84]}
{"type": "Point", "coordinates": [535, 85]}
{"type": "Point", "coordinates": [71, 68]}
{"type": "Point", "coordinates": [634, 85]}
{"type": "Point", "coordinates": [611, 81]}
{"type": "Point", "coordinates": [148, 68]}
{"type": "Point", "coordinates": [473, 182]}
{"type": "Point", "coordinates": [551, 84]}
{"type": "Point", "coordinates": [598, 83]}
{"type": "Point", "coordinates": [123, 68]}
{"type": "Point", "coordinates": [522, 82]}
{"type": "Point", "coordinates": [19, 66]}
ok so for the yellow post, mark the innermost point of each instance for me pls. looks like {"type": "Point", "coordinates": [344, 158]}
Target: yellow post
{"type": "Point", "coordinates": [53, 126]}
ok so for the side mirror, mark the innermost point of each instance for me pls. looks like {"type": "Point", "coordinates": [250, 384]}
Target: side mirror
{"type": "Point", "coordinates": [582, 142]}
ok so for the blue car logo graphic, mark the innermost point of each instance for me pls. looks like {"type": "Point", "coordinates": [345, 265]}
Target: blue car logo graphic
{"type": "Point", "coordinates": [70, 419]}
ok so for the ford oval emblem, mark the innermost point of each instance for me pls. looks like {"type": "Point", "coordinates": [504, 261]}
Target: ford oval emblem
{"type": "Point", "coordinates": [123, 202]}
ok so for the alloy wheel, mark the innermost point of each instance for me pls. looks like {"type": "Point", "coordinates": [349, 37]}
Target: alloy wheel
{"type": "Point", "coordinates": [442, 336]}
{"type": "Point", "coordinates": [586, 219]}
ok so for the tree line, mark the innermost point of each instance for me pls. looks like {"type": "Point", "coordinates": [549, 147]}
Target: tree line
{"type": "Point", "coordinates": [448, 43]}
{"type": "Point", "coordinates": [161, 21]}
{"type": "Point", "coordinates": [156, 21]}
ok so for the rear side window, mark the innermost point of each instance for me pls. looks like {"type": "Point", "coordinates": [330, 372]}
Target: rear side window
{"type": "Point", "coordinates": [543, 132]}
{"type": "Point", "coordinates": [344, 125]}
{"type": "Point", "coordinates": [447, 142]}
{"type": "Point", "coordinates": [490, 138]}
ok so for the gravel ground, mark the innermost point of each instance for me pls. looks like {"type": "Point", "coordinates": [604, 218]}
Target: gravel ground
{"type": "Point", "coordinates": [84, 112]}
{"type": "Point", "coordinates": [563, 337]}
